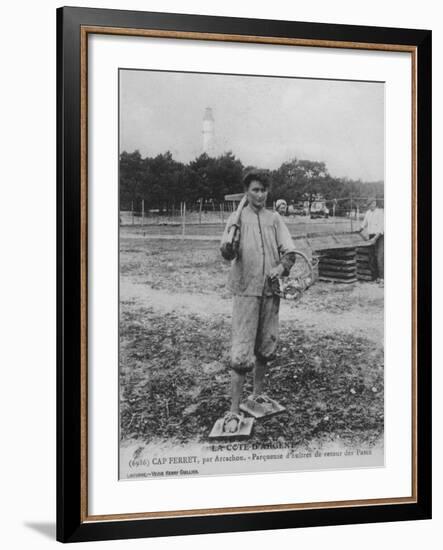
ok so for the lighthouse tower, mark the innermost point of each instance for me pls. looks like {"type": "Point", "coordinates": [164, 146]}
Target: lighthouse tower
{"type": "Point", "coordinates": [208, 133]}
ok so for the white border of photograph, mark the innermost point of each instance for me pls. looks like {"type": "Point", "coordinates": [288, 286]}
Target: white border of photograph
{"type": "Point", "coordinates": [108, 495]}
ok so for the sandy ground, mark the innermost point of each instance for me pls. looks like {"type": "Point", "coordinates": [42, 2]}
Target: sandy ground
{"type": "Point", "coordinates": [174, 344]}
{"type": "Point", "coordinates": [189, 277]}
{"type": "Point", "coordinates": [362, 318]}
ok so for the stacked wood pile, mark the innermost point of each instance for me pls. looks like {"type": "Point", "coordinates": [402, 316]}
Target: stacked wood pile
{"type": "Point", "coordinates": [338, 265]}
{"type": "Point", "coordinates": [342, 258]}
{"type": "Point", "coordinates": [364, 272]}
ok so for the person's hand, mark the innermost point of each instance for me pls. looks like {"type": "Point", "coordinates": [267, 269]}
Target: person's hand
{"type": "Point", "coordinates": [276, 272]}
{"type": "Point", "coordinates": [227, 251]}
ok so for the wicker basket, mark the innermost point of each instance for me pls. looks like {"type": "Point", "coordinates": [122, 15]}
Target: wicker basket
{"type": "Point", "coordinates": [303, 274]}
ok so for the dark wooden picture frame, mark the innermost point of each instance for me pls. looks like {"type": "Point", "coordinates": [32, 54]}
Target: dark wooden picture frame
{"type": "Point", "coordinates": [73, 521]}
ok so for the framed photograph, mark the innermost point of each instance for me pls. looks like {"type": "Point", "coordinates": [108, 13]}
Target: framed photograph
{"type": "Point", "coordinates": [244, 271]}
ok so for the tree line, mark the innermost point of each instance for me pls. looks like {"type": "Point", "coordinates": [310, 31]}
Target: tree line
{"type": "Point", "coordinates": [163, 182]}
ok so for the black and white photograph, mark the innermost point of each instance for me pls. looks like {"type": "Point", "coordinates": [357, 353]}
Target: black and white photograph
{"type": "Point", "coordinates": [209, 341]}
{"type": "Point", "coordinates": [251, 282]}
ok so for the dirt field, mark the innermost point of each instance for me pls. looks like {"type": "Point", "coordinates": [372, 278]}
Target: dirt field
{"type": "Point", "coordinates": [174, 342]}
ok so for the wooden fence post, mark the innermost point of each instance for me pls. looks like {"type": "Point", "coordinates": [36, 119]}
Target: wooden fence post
{"type": "Point", "coordinates": [352, 227]}
{"type": "Point", "coordinates": [183, 218]}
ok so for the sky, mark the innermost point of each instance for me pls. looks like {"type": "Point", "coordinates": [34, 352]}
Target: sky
{"type": "Point", "coordinates": [263, 120]}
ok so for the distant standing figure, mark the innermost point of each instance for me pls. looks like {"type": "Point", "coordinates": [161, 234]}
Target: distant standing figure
{"type": "Point", "coordinates": [373, 224]}
{"type": "Point", "coordinates": [281, 206]}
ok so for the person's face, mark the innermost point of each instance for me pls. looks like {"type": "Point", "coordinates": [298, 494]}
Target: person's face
{"type": "Point", "coordinates": [282, 209]}
{"type": "Point", "coordinates": [257, 194]}
{"type": "Point", "coordinates": [373, 205]}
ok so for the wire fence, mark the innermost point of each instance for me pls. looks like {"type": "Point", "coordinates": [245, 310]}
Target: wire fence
{"type": "Point", "coordinates": [183, 212]}
{"type": "Point", "coordinates": [342, 215]}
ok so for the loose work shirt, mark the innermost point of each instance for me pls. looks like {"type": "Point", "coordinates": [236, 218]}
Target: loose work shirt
{"type": "Point", "coordinates": [373, 221]}
{"type": "Point", "coordinates": [265, 242]}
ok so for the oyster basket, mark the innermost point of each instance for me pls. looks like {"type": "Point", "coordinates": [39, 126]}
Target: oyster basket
{"type": "Point", "coordinates": [303, 275]}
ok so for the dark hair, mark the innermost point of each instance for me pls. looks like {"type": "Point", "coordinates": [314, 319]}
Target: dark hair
{"type": "Point", "coordinates": [256, 175]}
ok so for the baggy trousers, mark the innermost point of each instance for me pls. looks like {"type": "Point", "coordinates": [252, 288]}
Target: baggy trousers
{"type": "Point", "coordinates": [377, 258]}
{"type": "Point", "coordinates": [254, 331]}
